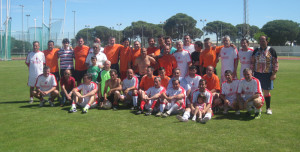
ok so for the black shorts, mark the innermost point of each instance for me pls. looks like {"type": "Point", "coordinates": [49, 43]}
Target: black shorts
{"type": "Point", "coordinates": [265, 81]}
{"type": "Point", "coordinates": [62, 72]}
{"type": "Point", "coordinates": [56, 74]}
{"type": "Point", "coordinates": [78, 75]}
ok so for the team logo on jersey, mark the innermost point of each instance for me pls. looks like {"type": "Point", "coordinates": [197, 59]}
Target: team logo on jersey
{"type": "Point", "coordinates": [244, 58]}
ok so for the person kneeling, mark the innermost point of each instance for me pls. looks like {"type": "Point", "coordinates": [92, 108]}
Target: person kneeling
{"type": "Point", "coordinates": [46, 86]}
{"type": "Point", "coordinates": [88, 97]}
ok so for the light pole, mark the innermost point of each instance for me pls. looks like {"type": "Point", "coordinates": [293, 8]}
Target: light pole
{"type": "Point", "coordinates": [87, 31]}
{"type": "Point", "coordinates": [119, 31]}
{"type": "Point", "coordinates": [203, 21]}
{"type": "Point", "coordinates": [182, 24]}
{"type": "Point", "coordinates": [23, 29]}
{"type": "Point", "coordinates": [142, 35]}
{"type": "Point", "coordinates": [162, 25]}
{"type": "Point", "coordinates": [74, 24]}
{"type": "Point", "coordinates": [34, 29]}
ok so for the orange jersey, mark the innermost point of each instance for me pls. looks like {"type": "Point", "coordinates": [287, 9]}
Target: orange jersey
{"type": "Point", "coordinates": [168, 62]}
{"type": "Point", "coordinates": [125, 54]}
{"type": "Point", "coordinates": [51, 58]}
{"type": "Point", "coordinates": [112, 53]}
{"type": "Point", "coordinates": [212, 82]}
{"type": "Point", "coordinates": [154, 50]}
{"type": "Point", "coordinates": [209, 57]}
{"type": "Point", "coordinates": [80, 53]}
{"type": "Point", "coordinates": [147, 82]}
{"type": "Point", "coordinates": [134, 54]}
{"type": "Point", "coordinates": [165, 81]}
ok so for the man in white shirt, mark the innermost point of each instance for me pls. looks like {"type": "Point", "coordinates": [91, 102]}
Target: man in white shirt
{"type": "Point", "coordinates": [183, 59]}
{"type": "Point", "coordinates": [101, 57]}
{"type": "Point", "coordinates": [188, 45]}
{"type": "Point", "coordinates": [46, 86]}
{"type": "Point", "coordinates": [129, 87]}
{"type": "Point", "coordinates": [35, 61]}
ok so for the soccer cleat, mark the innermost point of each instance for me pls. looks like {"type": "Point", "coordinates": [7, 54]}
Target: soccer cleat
{"type": "Point", "coordinates": [269, 111]}
{"type": "Point", "coordinates": [31, 100]}
{"type": "Point", "coordinates": [237, 112]}
{"type": "Point", "coordinates": [180, 118]}
{"type": "Point", "coordinates": [72, 110]}
{"type": "Point", "coordinates": [51, 103]}
{"type": "Point", "coordinates": [85, 110]}
{"type": "Point", "coordinates": [257, 115]}
{"type": "Point", "coordinates": [165, 115]}
{"type": "Point", "coordinates": [139, 112]}
{"type": "Point", "coordinates": [42, 103]}
{"type": "Point", "coordinates": [158, 114]}
{"type": "Point", "coordinates": [204, 120]}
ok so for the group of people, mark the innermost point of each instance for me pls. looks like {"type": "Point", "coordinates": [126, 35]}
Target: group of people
{"type": "Point", "coordinates": [186, 83]}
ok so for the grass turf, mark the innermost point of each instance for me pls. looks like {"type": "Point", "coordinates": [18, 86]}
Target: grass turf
{"type": "Point", "coordinates": [27, 127]}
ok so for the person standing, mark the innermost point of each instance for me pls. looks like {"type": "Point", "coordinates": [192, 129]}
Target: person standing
{"type": "Point", "coordinates": [265, 65]}
{"type": "Point", "coordinates": [245, 55]}
{"type": "Point", "coordinates": [81, 51]}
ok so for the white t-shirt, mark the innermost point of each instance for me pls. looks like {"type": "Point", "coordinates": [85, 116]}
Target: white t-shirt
{"type": "Point", "coordinates": [101, 58]}
{"type": "Point", "coordinates": [153, 91]}
{"type": "Point", "coordinates": [230, 89]}
{"type": "Point", "coordinates": [183, 58]}
{"type": "Point", "coordinates": [128, 83]}
{"type": "Point", "coordinates": [172, 92]}
{"type": "Point", "coordinates": [189, 48]}
{"type": "Point", "coordinates": [193, 82]}
{"type": "Point", "coordinates": [46, 83]}
{"type": "Point", "coordinates": [87, 88]}
{"type": "Point", "coordinates": [248, 89]}
{"type": "Point", "coordinates": [206, 93]}
{"type": "Point", "coordinates": [228, 55]}
{"type": "Point", "coordinates": [36, 61]}
{"type": "Point", "coordinates": [245, 60]}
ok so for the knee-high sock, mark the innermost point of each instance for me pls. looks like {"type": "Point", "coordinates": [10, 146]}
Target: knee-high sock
{"type": "Point", "coordinates": [135, 99]}
{"type": "Point", "coordinates": [142, 105]}
{"type": "Point", "coordinates": [268, 101]}
{"type": "Point", "coordinates": [175, 106]}
{"type": "Point", "coordinates": [208, 115]}
{"type": "Point", "coordinates": [153, 104]}
{"type": "Point", "coordinates": [186, 115]}
{"type": "Point", "coordinates": [162, 107]}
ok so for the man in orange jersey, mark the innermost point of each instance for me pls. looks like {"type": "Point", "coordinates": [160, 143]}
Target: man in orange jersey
{"type": "Point", "coordinates": [164, 79]}
{"type": "Point", "coordinates": [161, 42]}
{"type": "Point", "coordinates": [125, 53]}
{"type": "Point", "coordinates": [112, 52]}
{"type": "Point", "coordinates": [142, 62]}
{"type": "Point", "coordinates": [147, 80]}
{"type": "Point", "coordinates": [167, 61]}
{"type": "Point", "coordinates": [81, 51]}
{"type": "Point", "coordinates": [136, 52]}
{"type": "Point", "coordinates": [51, 58]}
{"type": "Point", "coordinates": [152, 50]}
{"type": "Point", "coordinates": [208, 57]}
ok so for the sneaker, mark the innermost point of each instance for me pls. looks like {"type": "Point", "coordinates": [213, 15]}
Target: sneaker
{"type": "Point", "coordinates": [31, 100]}
{"type": "Point", "coordinates": [147, 113]}
{"type": "Point", "coordinates": [51, 103]}
{"type": "Point", "coordinates": [139, 112]}
{"type": "Point", "coordinates": [204, 120]}
{"type": "Point", "coordinates": [72, 110]}
{"type": "Point", "coordinates": [269, 111]}
{"type": "Point", "coordinates": [165, 115]}
{"type": "Point", "coordinates": [237, 112]}
{"type": "Point", "coordinates": [180, 118]}
{"type": "Point", "coordinates": [159, 114]}
{"type": "Point", "coordinates": [42, 103]}
{"type": "Point", "coordinates": [257, 115]}
{"type": "Point", "coordinates": [194, 119]}
{"type": "Point", "coordinates": [85, 110]}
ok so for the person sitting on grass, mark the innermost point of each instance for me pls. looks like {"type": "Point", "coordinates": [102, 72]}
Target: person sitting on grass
{"type": "Point", "coordinates": [228, 93]}
{"type": "Point", "coordinates": [114, 93]}
{"type": "Point", "coordinates": [102, 77]}
{"type": "Point", "coordinates": [46, 86]}
{"type": "Point", "coordinates": [199, 107]}
{"type": "Point", "coordinates": [67, 84]}
{"type": "Point", "coordinates": [206, 111]}
{"type": "Point", "coordinates": [151, 97]}
{"type": "Point", "coordinates": [94, 69]}
{"type": "Point", "coordinates": [88, 97]}
{"type": "Point", "coordinates": [129, 87]}
{"type": "Point", "coordinates": [249, 93]}
{"type": "Point", "coordinates": [174, 100]}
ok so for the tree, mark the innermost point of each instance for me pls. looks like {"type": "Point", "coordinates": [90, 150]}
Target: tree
{"type": "Point", "coordinates": [253, 30]}
{"type": "Point", "coordinates": [281, 31]}
{"type": "Point", "coordinates": [181, 24]}
{"type": "Point", "coordinates": [220, 29]}
{"type": "Point", "coordinates": [258, 35]}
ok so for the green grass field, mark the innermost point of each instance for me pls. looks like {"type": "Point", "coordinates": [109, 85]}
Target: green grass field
{"type": "Point", "coordinates": [27, 127]}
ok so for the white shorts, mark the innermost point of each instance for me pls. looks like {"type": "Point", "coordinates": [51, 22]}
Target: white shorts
{"type": "Point", "coordinates": [86, 101]}
{"type": "Point", "coordinates": [31, 81]}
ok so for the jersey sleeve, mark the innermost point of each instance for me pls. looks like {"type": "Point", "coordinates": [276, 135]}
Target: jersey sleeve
{"type": "Point", "coordinates": [194, 97]}
{"type": "Point", "coordinates": [54, 82]}
{"type": "Point", "coordinates": [80, 87]}
{"type": "Point", "coordinates": [37, 83]}
{"type": "Point", "coordinates": [43, 58]}
{"type": "Point", "coordinates": [27, 59]}
{"type": "Point", "coordinates": [88, 59]}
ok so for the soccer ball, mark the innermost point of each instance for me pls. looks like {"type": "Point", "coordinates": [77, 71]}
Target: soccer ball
{"type": "Point", "coordinates": [107, 105]}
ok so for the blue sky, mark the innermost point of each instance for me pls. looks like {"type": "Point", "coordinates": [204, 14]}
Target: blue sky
{"type": "Point", "coordinates": [111, 12]}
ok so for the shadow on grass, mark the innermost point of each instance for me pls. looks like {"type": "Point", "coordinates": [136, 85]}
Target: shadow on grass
{"type": "Point", "coordinates": [232, 116]}
{"type": "Point", "coordinates": [13, 102]}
